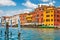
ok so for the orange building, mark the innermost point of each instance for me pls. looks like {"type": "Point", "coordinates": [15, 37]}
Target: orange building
{"type": "Point", "coordinates": [57, 17]}
{"type": "Point", "coordinates": [35, 17]}
{"type": "Point", "coordinates": [23, 18]}
{"type": "Point", "coordinates": [39, 14]}
{"type": "Point", "coordinates": [30, 18]}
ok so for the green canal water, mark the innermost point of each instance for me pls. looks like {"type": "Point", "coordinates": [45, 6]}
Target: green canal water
{"type": "Point", "coordinates": [34, 34]}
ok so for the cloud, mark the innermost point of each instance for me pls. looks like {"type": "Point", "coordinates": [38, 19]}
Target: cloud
{"type": "Point", "coordinates": [7, 3]}
{"type": "Point", "coordinates": [11, 13]}
{"type": "Point", "coordinates": [54, 1]}
{"type": "Point", "coordinates": [1, 12]}
{"type": "Point", "coordinates": [25, 10]}
{"type": "Point", "coordinates": [45, 0]}
{"type": "Point", "coordinates": [50, 2]}
{"type": "Point", "coordinates": [28, 4]}
{"type": "Point", "coordinates": [43, 4]}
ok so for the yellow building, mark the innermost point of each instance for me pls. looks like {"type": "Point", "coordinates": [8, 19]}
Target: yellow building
{"type": "Point", "coordinates": [29, 18]}
{"type": "Point", "coordinates": [48, 16]}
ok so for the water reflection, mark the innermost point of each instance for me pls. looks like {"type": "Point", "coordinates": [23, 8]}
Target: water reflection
{"type": "Point", "coordinates": [47, 34]}
{"type": "Point", "coordinates": [41, 34]}
{"type": "Point", "coordinates": [57, 34]}
{"type": "Point", "coordinates": [34, 34]}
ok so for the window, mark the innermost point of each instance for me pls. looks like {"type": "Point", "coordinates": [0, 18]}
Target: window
{"type": "Point", "coordinates": [54, 15]}
{"type": "Point", "coordinates": [37, 15]}
{"type": "Point", "coordinates": [51, 10]}
{"type": "Point", "coordinates": [41, 14]}
{"type": "Point", "coordinates": [47, 15]}
{"type": "Point", "coordinates": [58, 20]}
{"type": "Point", "coordinates": [47, 19]}
{"type": "Point", "coordinates": [57, 11]}
{"type": "Point", "coordinates": [46, 25]}
{"type": "Point", "coordinates": [51, 24]}
{"type": "Point", "coordinates": [43, 20]}
{"type": "Point", "coordinates": [42, 8]}
{"type": "Point", "coordinates": [51, 19]}
{"type": "Point", "coordinates": [48, 11]}
{"type": "Point", "coordinates": [28, 18]}
{"type": "Point", "coordinates": [29, 14]}
{"type": "Point", "coordinates": [57, 15]}
{"type": "Point", "coordinates": [54, 19]}
{"type": "Point", "coordinates": [39, 9]}
{"type": "Point", "coordinates": [51, 15]}
{"type": "Point", "coordinates": [29, 21]}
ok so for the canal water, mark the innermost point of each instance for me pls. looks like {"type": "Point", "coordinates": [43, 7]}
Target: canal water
{"type": "Point", "coordinates": [33, 34]}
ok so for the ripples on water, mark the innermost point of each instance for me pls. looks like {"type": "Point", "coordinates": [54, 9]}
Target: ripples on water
{"type": "Point", "coordinates": [36, 34]}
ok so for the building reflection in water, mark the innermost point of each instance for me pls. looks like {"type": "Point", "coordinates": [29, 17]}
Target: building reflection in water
{"type": "Point", "coordinates": [47, 33]}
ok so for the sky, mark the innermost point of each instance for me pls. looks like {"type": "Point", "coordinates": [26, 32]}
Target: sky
{"type": "Point", "coordinates": [13, 7]}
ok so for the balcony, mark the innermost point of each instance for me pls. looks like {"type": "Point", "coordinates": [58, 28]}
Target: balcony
{"type": "Point", "coordinates": [28, 16]}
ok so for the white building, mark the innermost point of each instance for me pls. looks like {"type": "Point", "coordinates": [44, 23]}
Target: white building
{"type": "Point", "coordinates": [8, 19]}
{"type": "Point", "coordinates": [14, 19]}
